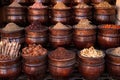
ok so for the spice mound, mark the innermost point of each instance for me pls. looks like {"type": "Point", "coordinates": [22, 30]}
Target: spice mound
{"type": "Point", "coordinates": [104, 4]}
{"type": "Point", "coordinates": [84, 23]}
{"type": "Point", "coordinates": [110, 26]}
{"type": "Point", "coordinates": [60, 5]}
{"type": "Point", "coordinates": [60, 26]}
{"type": "Point", "coordinates": [9, 50]}
{"type": "Point", "coordinates": [34, 50]}
{"type": "Point", "coordinates": [11, 27]}
{"type": "Point", "coordinates": [115, 51]}
{"type": "Point", "coordinates": [91, 52]}
{"type": "Point", "coordinates": [14, 4]}
{"type": "Point", "coordinates": [61, 53]}
{"type": "Point", "coordinates": [36, 26]}
{"type": "Point", "coordinates": [38, 5]}
{"type": "Point", "coordinates": [82, 5]}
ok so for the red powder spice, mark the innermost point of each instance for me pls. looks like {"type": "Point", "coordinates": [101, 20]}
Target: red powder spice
{"type": "Point", "coordinates": [37, 5]}
{"type": "Point", "coordinates": [111, 26]}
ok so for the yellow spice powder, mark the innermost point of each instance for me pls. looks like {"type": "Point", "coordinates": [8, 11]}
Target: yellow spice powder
{"type": "Point", "coordinates": [84, 23]}
{"type": "Point", "coordinates": [82, 5]}
{"type": "Point", "coordinates": [91, 52]}
{"type": "Point", "coordinates": [104, 4]}
{"type": "Point", "coordinates": [60, 5]}
{"type": "Point", "coordinates": [60, 26]}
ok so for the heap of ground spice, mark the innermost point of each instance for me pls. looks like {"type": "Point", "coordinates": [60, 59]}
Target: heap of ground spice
{"type": "Point", "coordinates": [82, 5]}
{"type": "Point", "coordinates": [110, 26]}
{"type": "Point", "coordinates": [61, 53]}
{"type": "Point", "coordinates": [104, 4]}
{"type": "Point", "coordinates": [36, 25]}
{"type": "Point", "coordinates": [115, 51]}
{"type": "Point", "coordinates": [14, 4]}
{"type": "Point", "coordinates": [11, 27]}
{"type": "Point", "coordinates": [84, 23]}
{"type": "Point", "coordinates": [38, 5]}
{"type": "Point", "coordinates": [60, 5]}
{"type": "Point", "coordinates": [60, 26]}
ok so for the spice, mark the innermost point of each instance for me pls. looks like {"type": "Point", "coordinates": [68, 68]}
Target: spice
{"type": "Point", "coordinates": [34, 50]}
{"type": "Point", "coordinates": [37, 5]}
{"type": "Point", "coordinates": [4, 57]}
{"type": "Point", "coordinates": [110, 26]}
{"type": "Point", "coordinates": [9, 49]}
{"type": "Point", "coordinates": [60, 26]}
{"type": "Point", "coordinates": [36, 25]}
{"type": "Point", "coordinates": [91, 52]}
{"type": "Point", "coordinates": [84, 23]}
{"type": "Point", "coordinates": [115, 51]}
{"type": "Point", "coordinates": [104, 4]}
{"type": "Point", "coordinates": [61, 53]}
{"type": "Point", "coordinates": [60, 5]}
{"type": "Point", "coordinates": [10, 27]}
{"type": "Point", "coordinates": [82, 5]}
{"type": "Point", "coordinates": [14, 4]}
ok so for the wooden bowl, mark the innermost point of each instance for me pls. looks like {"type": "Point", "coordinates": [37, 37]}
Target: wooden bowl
{"type": "Point", "coordinates": [60, 41]}
{"type": "Point", "coordinates": [88, 65]}
{"type": "Point", "coordinates": [16, 10]}
{"type": "Point", "coordinates": [108, 31]}
{"type": "Point", "coordinates": [35, 66]}
{"type": "Point", "coordinates": [37, 11]}
{"type": "Point", "coordinates": [42, 18]}
{"type": "Point", "coordinates": [106, 42]}
{"type": "Point", "coordinates": [84, 31]}
{"type": "Point", "coordinates": [10, 69]}
{"type": "Point", "coordinates": [61, 12]}
{"type": "Point", "coordinates": [82, 11]}
{"type": "Point", "coordinates": [111, 58]}
{"type": "Point", "coordinates": [64, 20]}
{"type": "Point", "coordinates": [84, 41]}
{"type": "Point", "coordinates": [60, 32]}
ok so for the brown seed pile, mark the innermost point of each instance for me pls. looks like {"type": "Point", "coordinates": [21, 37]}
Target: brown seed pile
{"type": "Point", "coordinates": [36, 25]}
{"type": "Point", "coordinates": [61, 53]}
{"type": "Point", "coordinates": [34, 50]}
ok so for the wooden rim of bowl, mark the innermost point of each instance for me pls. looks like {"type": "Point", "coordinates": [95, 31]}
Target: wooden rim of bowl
{"type": "Point", "coordinates": [43, 8]}
{"type": "Point", "coordinates": [89, 7]}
